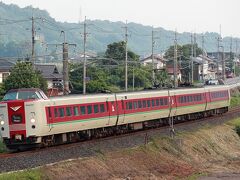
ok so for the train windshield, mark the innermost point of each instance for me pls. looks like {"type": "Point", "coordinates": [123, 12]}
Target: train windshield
{"type": "Point", "coordinates": [22, 95]}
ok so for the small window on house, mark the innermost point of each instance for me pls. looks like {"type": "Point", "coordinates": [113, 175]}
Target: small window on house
{"type": "Point", "coordinates": [75, 111]}
{"type": "Point", "coordinates": [83, 110]}
{"type": "Point", "coordinates": [68, 111]}
{"type": "Point", "coordinates": [4, 76]}
{"type": "Point", "coordinates": [102, 108]}
{"type": "Point", "coordinates": [61, 112]}
{"type": "Point", "coordinates": [89, 109]}
{"type": "Point", "coordinates": [95, 107]}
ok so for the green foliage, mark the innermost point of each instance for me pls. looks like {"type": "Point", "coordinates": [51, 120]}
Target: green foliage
{"type": "Point", "coordinates": [235, 101]}
{"type": "Point", "coordinates": [24, 76]}
{"type": "Point", "coordinates": [184, 54]}
{"type": "Point", "coordinates": [35, 174]}
{"type": "Point", "coordinates": [237, 129]}
{"type": "Point", "coordinates": [16, 43]}
{"type": "Point", "coordinates": [237, 69]}
{"type": "Point", "coordinates": [2, 146]}
{"type": "Point", "coordinates": [2, 91]}
{"type": "Point", "coordinates": [117, 50]}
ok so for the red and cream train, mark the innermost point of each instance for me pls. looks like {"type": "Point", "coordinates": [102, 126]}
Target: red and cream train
{"type": "Point", "coordinates": [28, 118]}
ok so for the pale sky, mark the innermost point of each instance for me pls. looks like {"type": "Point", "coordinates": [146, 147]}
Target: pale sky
{"type": "Point", "coordinates": [184, 15]}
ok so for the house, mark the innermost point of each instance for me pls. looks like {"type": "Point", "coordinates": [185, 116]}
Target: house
{"type": "Point", "coordinates": [170, 71]}
{"type": "Point", "coordinates": [5, 67]}
{"type": "Point", "coordinates": [204, 68]}
{"type": "Point", "coordinates": [159, 61]}
{"type": "Point", "coordinates": [51, 73]}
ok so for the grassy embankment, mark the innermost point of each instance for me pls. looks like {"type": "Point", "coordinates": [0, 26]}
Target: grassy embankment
{"type": "Point", "coordinates": [187, 156]}
{"type": "Point", "coordinates": [35, 174]}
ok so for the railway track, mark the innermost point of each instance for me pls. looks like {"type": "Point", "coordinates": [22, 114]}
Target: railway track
{"type": "Point", "coordinates": [40, 157]}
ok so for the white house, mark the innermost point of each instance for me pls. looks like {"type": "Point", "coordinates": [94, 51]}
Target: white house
{"type": "Point", "coordinates": [158, 60]}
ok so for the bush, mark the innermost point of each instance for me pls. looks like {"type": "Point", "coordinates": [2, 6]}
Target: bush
{"type": "Point", "coordinates": [237, 129]}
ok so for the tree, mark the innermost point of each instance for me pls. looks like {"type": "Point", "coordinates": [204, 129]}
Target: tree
{"type": "Point", "coordinates": [184, 58]}
{"type": "Point", "coordinates": [116, 51]}
{"type": "Point", "coordinates": [24, 76]}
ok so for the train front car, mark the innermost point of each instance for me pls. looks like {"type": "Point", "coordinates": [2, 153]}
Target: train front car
{"type": "Point", "coordinates": [18, 123]}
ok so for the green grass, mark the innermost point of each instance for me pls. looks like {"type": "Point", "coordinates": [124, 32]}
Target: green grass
{"type": "Point", "coordinates": [196, 176]}
{"type": "Point", "coordinates": [35, 174]}
{"type": "Point", "coordinates": [235, 101]}
{"type": "Point", "coordinates": [2, 147]}
{"type": "Point", "coordinates": [234, 122]}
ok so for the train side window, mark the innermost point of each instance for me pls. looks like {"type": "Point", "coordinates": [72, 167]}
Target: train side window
{"type": "Point", "coordinates": [89, 109]}
{"type": "Point", "coordinates": [144, 103]}
{"type": "Point", "coordinates": [130, 106]}
{"type": "Point", "coordinates": [75, 111]}
{"type": "Point", "coordinates": [61, 112]}
{"type": "Point", "coordinates": [148, 103]}
{"type": "Point", "coordinates": [68, 111]}
{"type": "Point", "coordinates": [83, 110]}
{"type": "Point", "coordinates": [135, 104]}
{"type": "Point", "coordinates": [165, 101]}
{"type": "Point", "coordinates": [49, 112]}
{"type": "Point", "coordinates": [122, 104]}
{"type": "Point", "coordinates": [102, 108]}
{"type": "Point", "coordinates": [139, 104]}
{"type": "Point", "coordinates": [190, 98]}
{"type": "Point", "coordinates": [95, 107]}
{"type": "Point", "coordinates": [55, 112]}
{"type": "Point", "coordinates": [153, 104]}
{"type": "Point", "coordinates": [157, 102]}
{"type": "Point", "coordinates": [161, 101]}
{"type": "Point", "coordinates": [127, 106]}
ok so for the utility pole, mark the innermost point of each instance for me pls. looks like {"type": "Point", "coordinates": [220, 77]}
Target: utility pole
{"type": "Point", "coordinates": [202, 67]}
{"type": "Point", "coordinates": [191, 58]}
{"type": "Point", "coordinates": [84, 55]}
{"type": "Point", "coordinates": [126, 57]}
{"type": "Point", "coordinates": [153, 74]}
{"type": "Point", "coordinates": [65, 63]}
{"type": "Point", "coordinates": [223, 64]}
{"type": "Point", "coordinates": [175, 64]}
{"type": "Point", "coordinates": [65, 66]}
{"type": "Point", "coordinates": [33, 43]}
{"type": "Point", "coordinates": [231, 53]}
{"type": "Point", "coordinates": [218, 58]}
{"type": "Point", "coordinates": [236, 56]}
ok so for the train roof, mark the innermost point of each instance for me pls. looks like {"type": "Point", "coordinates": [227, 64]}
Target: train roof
{"type": "Point", "coordinates": [74, 96]}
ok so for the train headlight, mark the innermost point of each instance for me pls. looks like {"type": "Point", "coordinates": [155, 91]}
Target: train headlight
{"type": "Point", "coordinates": [33, 120]}
{"type": "Point", "coordinates": [2, 122]}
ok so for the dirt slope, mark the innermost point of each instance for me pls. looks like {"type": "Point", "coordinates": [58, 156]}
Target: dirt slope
{"type": "Point", "coordinates": [188, 155]}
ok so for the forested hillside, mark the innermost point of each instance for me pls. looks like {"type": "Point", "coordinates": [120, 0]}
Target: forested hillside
{"type": "Point", "coordinates": [15, 34]}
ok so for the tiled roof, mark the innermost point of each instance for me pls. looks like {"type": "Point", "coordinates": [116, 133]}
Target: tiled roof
{"type": "Point", "coordinates": [49, 71]}
{"type": "Point", "coordinates": [6, 65]}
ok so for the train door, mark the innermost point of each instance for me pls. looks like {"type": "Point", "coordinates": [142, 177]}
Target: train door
{"type": "Point", "coordinates": [112, 111]}
{"type": "Point", "coordinates": [122, 110]}
{"type": "Point", "coordinates": [173, 104]}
